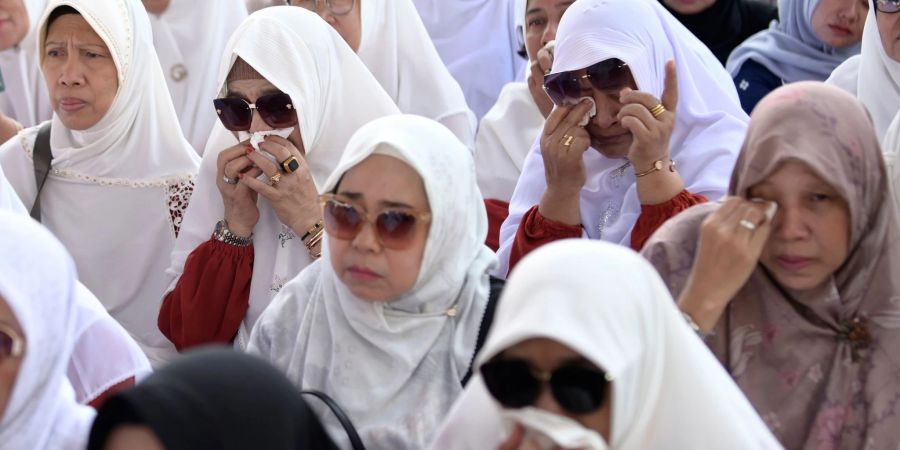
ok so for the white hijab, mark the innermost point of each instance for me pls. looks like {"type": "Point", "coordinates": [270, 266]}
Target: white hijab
{"type": "Point", "coordinates": [25, 95]}
{"type": "Point", "coordinates": [478, 43]}
{"type": "Point", "coordinates": [709, 128]}
{"type": "Point", "coordinates": [37, 281]}
{"type": "Point", "coordinates": [394, 367]}
{"type": "Point", "coordinates": [873, 76]}
{"type": "Point", "coordinates": [189, 38]}
{"type": "Point", "coordinates": [304, 57]}
{"type": "Point", "coordinates": [116, 191]}
{"type": "Point", "coordinates": [667, 390]}
{"type": "Point", "coordinates": [397, 50]}
{"type": "Point", "coordinates": [506, 133]}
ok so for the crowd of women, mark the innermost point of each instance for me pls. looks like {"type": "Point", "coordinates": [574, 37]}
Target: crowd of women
{"type": "Point", "coordinates": [344, 214]}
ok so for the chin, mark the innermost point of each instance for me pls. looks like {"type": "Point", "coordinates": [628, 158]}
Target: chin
{"type": "Point", "coordinates": [798, 281]}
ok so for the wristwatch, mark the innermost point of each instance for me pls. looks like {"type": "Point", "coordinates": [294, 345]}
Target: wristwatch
{"type": "Point", "coordinates": [223, 234]}
{"type": "Point", "coordinates": [706, 337]}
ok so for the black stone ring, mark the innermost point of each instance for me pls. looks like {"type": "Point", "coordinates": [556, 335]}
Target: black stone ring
{"type": "Point", "coordinates": [290, 165]}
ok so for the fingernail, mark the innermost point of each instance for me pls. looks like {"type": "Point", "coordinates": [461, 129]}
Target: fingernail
{"type": "Point", "coordinates": [249, 150]}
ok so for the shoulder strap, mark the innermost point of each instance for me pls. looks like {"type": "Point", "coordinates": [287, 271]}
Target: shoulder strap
{"type": "Point", "coordinates": [496, 287]}
{"type": "Point", "coordinates": [42, 156]}
{"type": "Point", "coordinates": [355, 441]}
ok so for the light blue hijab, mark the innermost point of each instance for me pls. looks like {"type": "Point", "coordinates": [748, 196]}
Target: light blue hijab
{"type": "Point", "coordinates": [790, 48]}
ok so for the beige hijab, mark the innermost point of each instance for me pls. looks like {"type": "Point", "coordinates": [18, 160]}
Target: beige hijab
{"type": "Point", "coordinates": [813, 377]}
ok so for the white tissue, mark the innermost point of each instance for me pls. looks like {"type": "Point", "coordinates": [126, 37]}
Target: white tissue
{"type": "Point", "coordinates": [549, 431]}
{"type": "Point", "coordinates": [770, 212]}
{"type": "Point", "coordinates": [258, 137]}
{"type": "Point", "coordinates": [590, 114]}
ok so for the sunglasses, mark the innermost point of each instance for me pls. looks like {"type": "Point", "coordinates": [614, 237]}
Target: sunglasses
{"type": "Point", "coordinates": [395, 228]}
{"type": "Point", "coordinates": [606, 75]}
{"type": "Point", "coordinates": [515, 384]}
{"type": "Point", "coordinates": [335, 7]}
{"type": "Point", "coordinates": [11, 343]}
{"type": "Point", "coordinates": [887, 6]}
{"type": "Point", "coordinates": [276, 110]}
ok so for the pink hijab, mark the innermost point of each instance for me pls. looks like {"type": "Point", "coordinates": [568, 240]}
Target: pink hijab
{"type": "Point", "coordinates": [821, 370]}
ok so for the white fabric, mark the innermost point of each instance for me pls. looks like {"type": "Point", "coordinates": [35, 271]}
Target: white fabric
{"type": "Point", "coordinates": [37, 282]}
{"type": "Point", "coordinates": [334, 94]}
{"type": "Point", "coordinates": [667, 391]}
{"type": "Point", "coordinates": [9, 200]}
{"type": "Point", "coordinates": [873, 76]}
{"type": "Point", "coordinates": [394, 367]}
{"type": "Point", "coordinates": [191, 35]}
{"type": "Point", "coordinates": [477, 41]}
{"type": "Point", "coordinates": [25, 97]}
{"type": "Point", "coordinates": [504, 140]}
{"type": "Point", "coordinates": [551, 431]}
{"type": "Point", "coordinates": [397, 50]}
{"type": "Point", "coordinates": [115, 190]}
{"type": "Point", "coordinates": [709, 128]}
{"type": "Point", "coordinates": [891, 149]}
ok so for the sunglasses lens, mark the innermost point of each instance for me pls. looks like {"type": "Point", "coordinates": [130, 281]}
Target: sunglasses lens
{"type": "Point", "coordinates": [234, 113]}
{"type": "Point", "coordinates": [510, 382]}
{"type": "Point", "coordinates": [887, 6]}
{"type": "Point", "coordinates": [342, 221]}
{"type": "Point", "coordinates": [395, 228]}
{"type": "Point", "coordinates": [277, 110]}
{"type": "Point", "coordinates": [6, 345]}
{"type": "Point", "coordinates": [560, 86]}
{"type": "Point", "coordinates": [578, 389]}
{"type": "Point", "coordinates": [608, 75]}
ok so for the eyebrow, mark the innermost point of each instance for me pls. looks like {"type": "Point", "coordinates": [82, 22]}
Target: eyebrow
{"type": "Point", "coordinates": [356, 196]}
{"type": "Point", "coordinates": [65, 44]}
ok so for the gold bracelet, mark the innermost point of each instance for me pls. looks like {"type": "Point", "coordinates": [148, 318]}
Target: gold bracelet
{"type": "Point", "coordinates": [319, 225]}
{"type": "Point", "coordinates": [657, 166]}
{"type": "Point", "coordinates": [313, 241]}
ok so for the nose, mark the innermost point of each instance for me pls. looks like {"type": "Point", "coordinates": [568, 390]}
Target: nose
{"type": "Point", "coordinates": [549, 32]}
{"type": "Point", "coordinates": [257, 123]}
{"type": "Point", "coordinates": [72, 70]}
{"type": "Point", "coordinates": [851, 11]}
{"type": "Point", "coordinates": [789, 223]}
{"type": "Point", "coordinates": [367, 239]}
{"type": "Point", "coordinates": [607, 110]}
{"type": "Point", "coordinates": [546, 401]}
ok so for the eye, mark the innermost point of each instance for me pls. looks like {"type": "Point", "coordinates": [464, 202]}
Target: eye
{"type": "Point", "coordinates": [53, 53]}
{"type": "Point", "coordinates": [536, 22]}
{"type": "Point", "coordinates": [818, 197]}
{"type": "Point", "coordinates": [93, 55]}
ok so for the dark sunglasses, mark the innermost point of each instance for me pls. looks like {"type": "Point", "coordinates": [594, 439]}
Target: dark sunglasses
{"type": "Point", "coordinates": [276, 110]}
{"type": "Point", "coordinates": [606, 75]}
{"type": "Point", "coordinates": [515, 384]}
{"type": "Point", "coordinates": [11, 343]}
{"type": "Point", "coordinates": [887, 6]}
{"type": "Point", "coordinates": [394, 227]}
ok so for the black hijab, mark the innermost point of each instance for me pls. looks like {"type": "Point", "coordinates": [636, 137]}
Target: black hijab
{"type": "Point", "coordinates": [215, 399]}
{"type": "Point", "coordinates": [727, 23]}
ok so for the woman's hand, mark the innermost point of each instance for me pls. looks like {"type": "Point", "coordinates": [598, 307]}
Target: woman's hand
{"type": "Point", "coordinates": [294, 197]}
{"type": "Point", "coordinates": [518, 441]}
{"type": "Point", "coordinates": [563, 144]}
{"type": "Point", "coordinates": [241, 212]}
{"type": "Point", "coordinates": [731, 241]}
{"type": "Point", "coordinates": [650, 133]}
{"type": "Point", "coordinates": [541, 65]}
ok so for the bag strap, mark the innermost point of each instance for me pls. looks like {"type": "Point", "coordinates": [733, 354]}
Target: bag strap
{"type": "Point", "coordinates": [355, 441]}
{"type": "Point", "coordinates": [496, 287]}
{"type": "Point", "coordinates": [42, 156]}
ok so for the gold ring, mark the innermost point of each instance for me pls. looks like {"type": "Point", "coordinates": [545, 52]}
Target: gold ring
{"type": "Point", "coordinates": [657, 110]}
{"type": "Point", "coordinates": [567, 140]}
{"type": "Point", "coordinates": [747, 224]}
{"type": "Point", "coordinates": [290, 165]}
{"type": "Point", "coordinates": [274, 179]}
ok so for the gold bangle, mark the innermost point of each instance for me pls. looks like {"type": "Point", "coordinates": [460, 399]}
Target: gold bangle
{"type": "Point", "coordinates": [657, 166]}
{"type": "Point", "coordinates": [313, 229]}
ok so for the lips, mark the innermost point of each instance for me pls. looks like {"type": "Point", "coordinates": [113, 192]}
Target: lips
{"type": "Point", "coordinates": [362, 273]}
{"type": "Point", "coordinates": [71, 104]}
{"type": "Point", "coordinates": [839, 30]}
{"type": "Point", "coordinates": [792, 263]}
{"type": "Point", "coordinates": [609, 140]}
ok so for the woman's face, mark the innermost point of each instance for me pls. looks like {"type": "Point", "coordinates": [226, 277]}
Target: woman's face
{"type": "Point", "coordinates": [608, 136]}
{"type": "Point", "coordinates": [839, 23]}
{"type": "Point", "coordinates": [13, 23]}
{"type": "Point", "coordinates": [133, 437]}
{"type": "Point", "coordinates": [9, 365]}
{"type": "Point", "coordinates": [688, 7]}
{"type": "Point", "coordinates": [79, 71]}
{"type": "Point", "coordinates": [811, 230]}
{"type": "Point", "coordinates": [541, 20]}
{"type": "Point", "coordinates": [889, 30]}
{"type": "Point", "coordinates": [369, 269]}
{"type": "Point", "coordinates": [250, 90]}
{"type": "Point", "coordinates": [546, 355]}
{"type": "Point", "coordinates": [156, 6]}
{"type": "Point", "coordinates": [349, 25]}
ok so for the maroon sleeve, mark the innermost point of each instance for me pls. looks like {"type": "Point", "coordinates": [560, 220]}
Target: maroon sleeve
{"type": "Point", "coordinates": [98, 401]}
{"type": "Point", "coordinates": [535, 231]}
{"type": "Point", "coordinates": [653, 216]}
{"type": "Point", "coordinates": [211, 297]}
{"type": "Point", "coordinates": [497, 210]}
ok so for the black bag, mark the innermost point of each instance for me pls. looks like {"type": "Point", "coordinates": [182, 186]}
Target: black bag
{"type": "Point", "coordinates": [355, 441]}
{"type": "Point", "coordinates": [42, 156]}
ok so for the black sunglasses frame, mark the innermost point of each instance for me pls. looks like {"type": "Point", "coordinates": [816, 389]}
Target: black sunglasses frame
{"type": "Point", "coordinates": [514, 383]}
{"type": "Point", "coordinates": [607, 75]}
{"type": "Point", "coordinates": [241, 111]}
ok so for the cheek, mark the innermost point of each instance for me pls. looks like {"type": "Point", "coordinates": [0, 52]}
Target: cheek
{"type": "Point", "coordinates": [337, 248]}
{"type": "Point", "coordinates": [8, 371]}
{"type": "Point", "coordinates": [833, 238]}
{"type": "Point", "coordinates": [107, 84]}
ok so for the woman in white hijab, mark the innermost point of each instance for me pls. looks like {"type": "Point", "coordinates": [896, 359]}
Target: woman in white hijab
{"type": "Point", "coordinates": [389, 37]}
{"type": "Point", "coordinates": [604, 167]}
{"type": "Point", "coordinates": [265, 234]}
{"type": "Point", "coordinates": [189, 36]}
{"type": "Point", "coordinates": [38, 321]}
{"type": "Point", "coordinates": [386, 322]}
{"type": "Point", "coordinates": [23, 94]}
{"type": "Point", "coordinates": [624, 370]}
{"type": "Point", "coordinates": [122, 172]}
{"type": "Point", "coordinates": [874, 74]}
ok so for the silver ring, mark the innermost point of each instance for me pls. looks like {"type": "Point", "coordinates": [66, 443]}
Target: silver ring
{"type": "Point", "coordinates": [229, 180]}
{"type": "Point", "coordinates": [747, 224]}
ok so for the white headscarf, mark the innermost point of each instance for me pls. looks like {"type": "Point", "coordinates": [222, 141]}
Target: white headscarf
{"type": "Point", "coordinates": [667, 391]}
{"type": "Point", "coordinates": [397, 50]}
{"type": "Point", "coordinates": [9, 201]}
{"type": "Point", "coordinates": [709, 128]}
{"type": "Point", "coordinates": [37, 281]}
{"type": "Point", "coordinates": [506, 133]}
{"type": "Point", "coordinates": [477, 41]}
{"type": "Point", "coordinates": [891, 150]}
{"type": "Point", "coordinates": [873, 76]}
{"type": "Point", "coordinates": [394, 367]}
{"type": "Point", "coordinates": [116, 191]}
{"type": "Point", "coordinates": [25, 96]}
{"type": "Point", "coordinates": [334, 95]}
{"type": "Point", "coordinates": [189, 38]}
